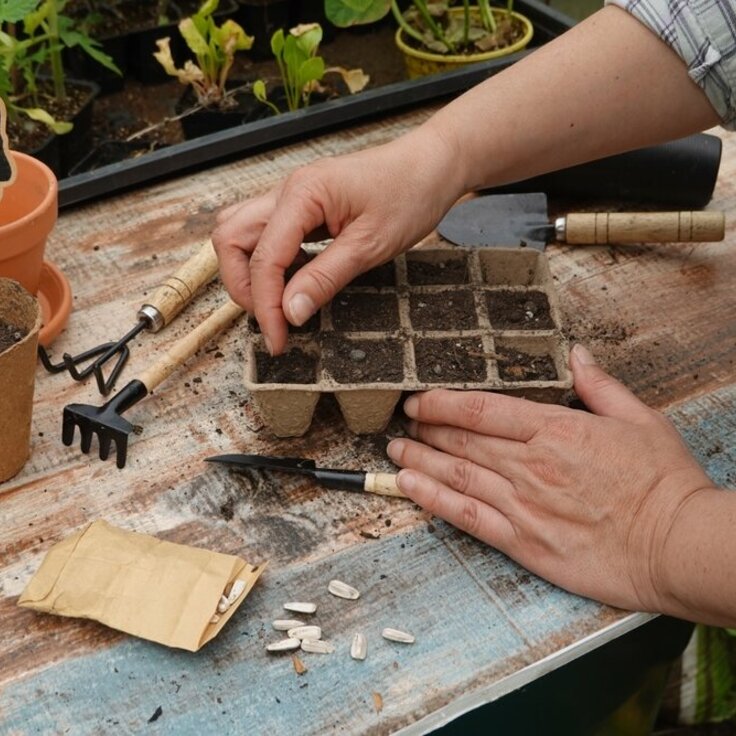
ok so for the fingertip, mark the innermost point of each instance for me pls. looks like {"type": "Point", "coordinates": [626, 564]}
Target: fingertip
{"type": "Point", "coordinates": [581, 355]}
{"type": "Point", "coordinates": [299, 308]}
{"type": "Point", "coordinates": [407, 481]}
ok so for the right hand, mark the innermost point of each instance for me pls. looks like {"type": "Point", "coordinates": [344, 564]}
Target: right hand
{"type": "Point", "coordinates": [374, 203]}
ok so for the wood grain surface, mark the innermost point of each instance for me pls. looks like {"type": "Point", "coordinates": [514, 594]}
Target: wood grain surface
{"type": "Point", "coordinates": [662, 319]}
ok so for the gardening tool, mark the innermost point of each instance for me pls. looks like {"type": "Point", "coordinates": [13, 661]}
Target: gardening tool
{"type": "Point", "coordinates": [507, 220]}
{"type": "Point", "coordinates": [105, 420]}
{"type": "Point", "coordinates": [383, 484]}
{"type": "Point", "coordinates": [168, 300]}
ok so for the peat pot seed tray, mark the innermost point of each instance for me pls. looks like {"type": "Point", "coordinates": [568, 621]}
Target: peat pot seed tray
{"type": "Point", "coordinates": [459, 318]}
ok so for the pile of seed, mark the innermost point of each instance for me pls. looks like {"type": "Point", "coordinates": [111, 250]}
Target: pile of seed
{"type": "Point", "coordinates": [308, 638]}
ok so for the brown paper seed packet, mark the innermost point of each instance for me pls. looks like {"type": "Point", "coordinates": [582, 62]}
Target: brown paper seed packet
{"type": "Point", "coordinates": [157, 590]}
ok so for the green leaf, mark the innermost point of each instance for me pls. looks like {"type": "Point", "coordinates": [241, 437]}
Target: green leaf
{"type": "Point", "coordinates": [259, 90]}
{"type": "Point", "coordinates": [277, 43]}
{"type": "Point", "coordinates": [193, 37]}
{"type": "Point", "coordinates": [312, 70]}
{"type": "Point", "coordinates": [93, 50]}
{"type": "Point", "coordinates": [36, 113]}
{"type": "Point", "coordinates": [12, 11]}
{"type": "Point", "coordinates": [308, 37]}
{"type": "Point", "coordinates": [346, 13]}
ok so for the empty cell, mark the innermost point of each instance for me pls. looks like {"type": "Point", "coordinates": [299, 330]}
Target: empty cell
{"type": "Point", "coordinates": [363, 361]}
{"type": "Point", "coordinates": [513, 267]}
{"type": "Point", "coordinates": [518, 365]}
{"type": "Point", "coordinates": [379, 277]}
{"type": "Point", "coordinates": [451, 360]}
{"type": "Point", "coordinates": [427, 271]}
{"type": "Point", "coordinates": [443, 310]}
{"type": "Point", "coordinates": [293, 366]}
{"type": "Point", "coordinates": [361, 312]}
{"type": "Point", "coordinates": [519, 310]}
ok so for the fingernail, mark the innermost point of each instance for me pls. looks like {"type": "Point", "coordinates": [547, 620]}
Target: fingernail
{"type": "Point", "coordinates": [411, 407]}
{"type": "Point", "coordinates": [583, 355]}
{"type": "Point", "coordinates": [406, 480]}
{"type": "Point", "coordinates": [301, 308]}
{"type": "Point", "coordinates": [267, 342]}
{"type": "Point", "coordinates": [394, 449]}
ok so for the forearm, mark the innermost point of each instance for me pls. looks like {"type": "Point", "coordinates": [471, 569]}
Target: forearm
{"type": "Point", "coordinates": [606, 86]}
{"type": "Point", "coordinates": [697, 567]}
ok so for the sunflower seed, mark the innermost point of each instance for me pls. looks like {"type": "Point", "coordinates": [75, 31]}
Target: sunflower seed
{"type": "Point", "coordinates": [318, 646]}
{"type": "Point", "coordinates": [283, 645]}
{"type": "Point", "coordinates": [300, 607]}
{"type": "Point", "coordinates": [396, 635]}
{"type": "Point", "coordinates": [236, 590]}
{"type": "Point", "coordinates": [215, 618]}
{"type": "Point", "coordinates": [343, 590]}
{"type": "Point", "coordinates": [359, 647]}
{"type": "Point", "coordinates": [223, 605]}
{"type": "Point", "coordinates": [305, 632]}
{"type": "Point", "coordinates": [284, 624]}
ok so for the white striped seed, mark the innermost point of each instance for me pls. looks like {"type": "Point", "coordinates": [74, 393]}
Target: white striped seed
{"type": "Point", "coordinates": [236, 590]}
{"type": "Point", "coordinates": [283, 645]}
{"type": "Point", "coordinates": [395, 635]}
{"type": "Point", "coordinates": [305, 632]}
{"type": "Point", "coordinates": [343, 590]}
{"type": "Point", "coordinates": [300, 607]}
{"type": "Point", "coordinates": [284, 624]}
{"type": "Point", "coordinates": [223, 605]}
{"type": "Point", "coordinates": [318, 646]}
{"type": "Point", "coordinates": [359, 646]}
{"type": "Point", "coordinates": [215, 618]}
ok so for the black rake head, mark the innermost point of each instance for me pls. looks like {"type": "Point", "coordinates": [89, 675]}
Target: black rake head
{"type": "Point", "coordinates": [104, 421]}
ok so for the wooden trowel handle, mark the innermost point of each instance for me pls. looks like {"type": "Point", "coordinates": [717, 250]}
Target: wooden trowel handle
{"type": "Point", "coordinates": [177, 291]}
{"type": "Point", "coordinates": [184, 348]}
{"type": "Point", "coordinates": [640, 227]}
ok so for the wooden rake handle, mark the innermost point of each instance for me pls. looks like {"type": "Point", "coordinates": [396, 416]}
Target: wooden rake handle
{"type": "Point", "coordinates": [640, 227]}
{"type": "Point", "coordinates": [177, 291]}
{"type": "Point", "coordinates": [184, 348]}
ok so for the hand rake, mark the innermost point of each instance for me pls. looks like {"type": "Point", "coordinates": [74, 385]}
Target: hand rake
{"type": "Point", "coordinates": [168, 300]}
{"type": "Point", "coordinates": [106, 421]}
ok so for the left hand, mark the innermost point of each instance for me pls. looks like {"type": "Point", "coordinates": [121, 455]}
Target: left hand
{"type": "Point", "coordinates": [585, 501]}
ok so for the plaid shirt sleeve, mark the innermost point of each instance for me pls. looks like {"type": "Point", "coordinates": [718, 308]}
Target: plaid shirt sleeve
{"type": "Point", "coordinates": [703, 34]}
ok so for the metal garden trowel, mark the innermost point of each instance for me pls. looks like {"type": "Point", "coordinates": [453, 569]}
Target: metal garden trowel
{"type": "Point", "coordinates": [513, 220]}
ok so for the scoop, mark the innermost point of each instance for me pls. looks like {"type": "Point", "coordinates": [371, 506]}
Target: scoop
{"type": "Point", "coordinates": [520, 220]}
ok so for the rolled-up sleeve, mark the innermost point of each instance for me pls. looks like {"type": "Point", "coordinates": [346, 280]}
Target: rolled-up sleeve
{"type": "Point", "coordinates": [703, 34]}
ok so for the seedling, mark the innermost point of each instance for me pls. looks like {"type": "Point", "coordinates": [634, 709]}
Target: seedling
{"type": "Point", "coordinates": [214, 48]}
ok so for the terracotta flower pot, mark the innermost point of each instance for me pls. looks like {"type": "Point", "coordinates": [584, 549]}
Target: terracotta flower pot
{"type": "Point", "coordinates": [17, 373]}
{"type": "Point", "coordinates": [420, 62]}
{"type": "Point", "coordinates": [28, 211]}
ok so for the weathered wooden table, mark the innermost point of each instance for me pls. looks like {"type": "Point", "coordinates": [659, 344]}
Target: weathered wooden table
{"type": "Point", "coordinates": [663, 319]}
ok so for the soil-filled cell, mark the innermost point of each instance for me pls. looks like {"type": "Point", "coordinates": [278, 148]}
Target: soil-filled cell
{"type": "Point", "coordinates": [519, 310]}
{"type": "Point", "coordinates": [443, 310]}
{"type": "Point", "coordinates": [378, 277]}
{"type": "Point", "coordinates": [361, 312]}
{"type": "Point", "coordinates": [311, 325]}
{"type": "Point", "coordinates": [452, 360]}
{"type": "Point", "coordinates": [517, 365]}
{"type": "Point", "coordinates": [363, 361]}
{"type": "Point", "coordinates": [293, 366]}
{"type": "Point", "coordinates": [432, 272]}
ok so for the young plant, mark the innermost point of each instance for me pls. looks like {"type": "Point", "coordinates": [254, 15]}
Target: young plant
{"type": "Point", "coordinates": [46, 32]}
{"type": "Point", "coordinates": [430, 24]}
{"type": "Point", "coordinates": [214, 48]}
{"type": "Point", "coordinates": [301, 68]}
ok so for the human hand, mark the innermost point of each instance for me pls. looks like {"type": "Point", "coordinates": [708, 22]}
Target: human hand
{"type": "Point", "coordinates": [584, 500]}
{"type": "Point", "coordinates": [374, 204]}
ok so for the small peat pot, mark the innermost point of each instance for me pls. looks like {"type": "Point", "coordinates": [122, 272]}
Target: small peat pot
{"type": "Point", "coordinates": [20, 322]}
{"type": "Point", "coordinates": [460, 318]}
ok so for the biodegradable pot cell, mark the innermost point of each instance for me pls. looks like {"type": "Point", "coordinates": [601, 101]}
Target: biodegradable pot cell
{"type": "Point", "coordinates": [28, 211]}
{"type": "Point", "coordinates": [431, 321]}
{"type": "Point", "coordinates": [20, 322]}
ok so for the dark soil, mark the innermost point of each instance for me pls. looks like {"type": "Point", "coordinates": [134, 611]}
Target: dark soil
{"type": "Point", "coordinates": [428, 273]}
{"type": "Point", "coordinates": [378, 277]}
{"type": "Point", "coordinates": [361, 312]}
{"type": "Point", "coordinates": [519, 310]}
{"type": "Point", "coordinates": [363, 361]}
{"type": "Point", "coordinates": [515, 365]}
{"type": "Point", "coordinates": [450, 361]}
{"type": "Point", "coordinates": [310, 326]}
{"type": "Point", "coordinates": [293, 366]}
{"type": "Point", "coordinates": [443, 310]}
{"type": "Point", "coordinates": [10, 335]}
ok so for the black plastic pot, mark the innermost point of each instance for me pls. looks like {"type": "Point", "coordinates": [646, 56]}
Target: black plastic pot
{"type": "Point", "coordinates": [75, 144]}
{"type": "Point", "coordinates": [261, 19]}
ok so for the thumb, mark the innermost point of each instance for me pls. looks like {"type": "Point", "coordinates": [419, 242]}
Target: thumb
{"type": "Point", "coordinates": [601, 393]}
{"type": "Point", "coordinates": [316, 283]}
